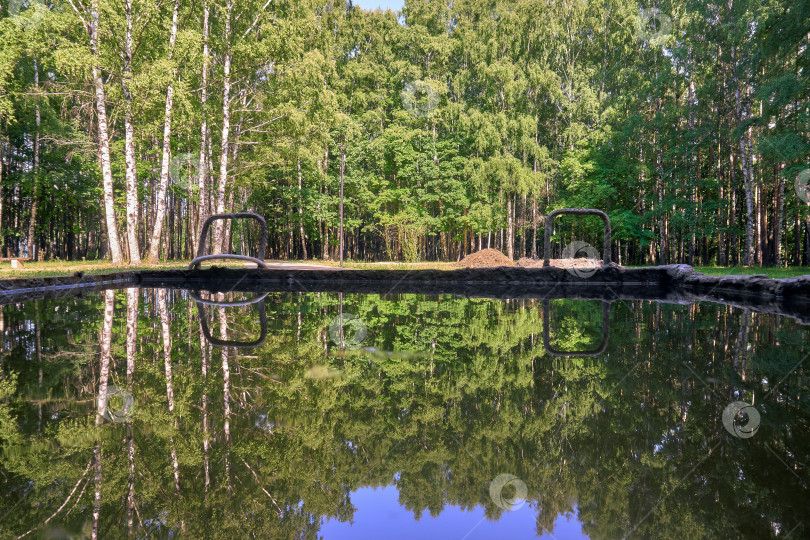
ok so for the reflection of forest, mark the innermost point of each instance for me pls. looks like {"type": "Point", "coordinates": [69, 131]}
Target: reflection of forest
{"type": "Point", "coordinates": [274, 439]}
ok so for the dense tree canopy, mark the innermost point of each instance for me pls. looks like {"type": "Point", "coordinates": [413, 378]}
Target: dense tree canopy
{"type": "Point", "coordinates": [123, 123]}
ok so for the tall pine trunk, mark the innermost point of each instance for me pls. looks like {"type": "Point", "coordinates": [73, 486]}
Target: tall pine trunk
{"type": "Point", "coordinates": [301, 214]}
{"type": "Point", "coordinates": [778, 219]}
{"type": "Point", "coordinates": [510, 231]}
{"type": "Point", "coordinates": [2, 238]}
{"type": "Point", "coordinates": [32, 223]}
{"type": "Point", "coordinates": [750, 226]}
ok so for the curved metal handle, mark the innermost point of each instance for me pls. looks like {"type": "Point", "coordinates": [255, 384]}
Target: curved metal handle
{"type": "Point", "coordinates": [197, 261]}
{"type": "Point", "coordinates": [229, 343]}
{"type": "Point", "coordinates": [259, 259]}
{"type": "Point", "coordinates": [577, 212]}
{"type": "Point", "coordinates": [594, 352]}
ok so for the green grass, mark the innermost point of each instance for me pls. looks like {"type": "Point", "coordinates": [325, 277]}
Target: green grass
{"type": "Point", "coordinates": [67, 268]}
{"type": "Point", "coordinates": [778, 273]}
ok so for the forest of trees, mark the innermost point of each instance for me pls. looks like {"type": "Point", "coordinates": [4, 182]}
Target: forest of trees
{"type": "Point", "coordinates": [274, 440]}
{"type": "Point", "coordinates": [124, 123]}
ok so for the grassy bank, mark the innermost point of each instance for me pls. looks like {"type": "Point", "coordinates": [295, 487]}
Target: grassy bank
{"type": "Point", "coordinates": [66, 268]}
{"type": "Point", "coordinates": [778, 273]}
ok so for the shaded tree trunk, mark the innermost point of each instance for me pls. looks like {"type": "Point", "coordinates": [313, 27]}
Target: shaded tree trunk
{"type": "Point", "coordinates": [32, 224]}
{"type": "Point", "coordinates": [779, 217]}
{"type": "Point", "coordinates": [510, 230]}
{"type": "Point", "coordinates": [301, 214]}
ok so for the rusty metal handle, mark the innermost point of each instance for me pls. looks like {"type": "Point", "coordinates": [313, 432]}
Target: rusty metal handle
{"type": "Point", "coordinates": [577, 212]}
{"type": "Point", "coordinates": [259, 259]}
{"type": "Point", "coordinates": [197, 261]}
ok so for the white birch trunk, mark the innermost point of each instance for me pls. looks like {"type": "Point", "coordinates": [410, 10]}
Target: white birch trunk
{"type": "Point", "coordinates": [105, 341]}
{"type": "Point", "coordinates": [226, 391]}
{"type": "Point", "coordinates": [226, 128]}
{"type": "Point", "coordinates": [132, 336]}
{"type": "Point", "coordinates": [165, 326]}
{"type": "Point", "coordinates": [202, 169]}
{"type": "Point", "coordinates": [129, 145]}
{"type": "Point", "coordinates": [165, 160]}
{"type": "Point", "coordinates": [204, 355]}
{"type": "Point", "coordinates": [104, 141]}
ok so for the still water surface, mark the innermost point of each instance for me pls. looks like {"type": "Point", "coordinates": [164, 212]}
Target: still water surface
{"type": "Point", "coordinates": [417, 417]}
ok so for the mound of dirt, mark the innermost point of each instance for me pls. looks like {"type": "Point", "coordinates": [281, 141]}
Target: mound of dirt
{"type": "Point", "coordinates": [582, 262]}
{"type": "Point", "coordinates": [486, 258]}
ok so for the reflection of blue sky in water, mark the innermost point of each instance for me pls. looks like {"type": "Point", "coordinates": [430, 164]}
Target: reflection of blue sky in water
{"type": "Point", "coordinates": [395, 5]}
{"type": "Point", "coordinates": [379, 515]}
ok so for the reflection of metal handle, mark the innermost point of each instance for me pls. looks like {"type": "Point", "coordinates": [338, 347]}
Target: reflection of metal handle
{"type": "Point", "coordinates": [194, 296]}
{"type": "Point", "coordinates": [595, 352]}
{"type": "Point", "coordinates": [236, 344]}
{"type": "Point", "coordinates": [259, 260]}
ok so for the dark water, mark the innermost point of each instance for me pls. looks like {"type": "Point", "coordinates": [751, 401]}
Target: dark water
{"type": "Point", "coordinates": [439, 417]}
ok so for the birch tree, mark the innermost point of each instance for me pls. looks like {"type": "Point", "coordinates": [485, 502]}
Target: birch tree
{"type": "Point", "coordinates": [129, 144]}
{"type": "Point", "coordinates": [90, 22]}
{"type": "Point", "coordinates": [166, 157]}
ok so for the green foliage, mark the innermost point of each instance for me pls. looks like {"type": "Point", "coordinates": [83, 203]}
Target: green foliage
{"type": "Point", "coordinates": [445, 394]}
{"type": "Point", "coordinates": [453, 116]}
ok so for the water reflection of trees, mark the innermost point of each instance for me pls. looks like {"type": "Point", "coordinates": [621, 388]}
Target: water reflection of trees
{"type": "Point", "coordinates": [225, 440]}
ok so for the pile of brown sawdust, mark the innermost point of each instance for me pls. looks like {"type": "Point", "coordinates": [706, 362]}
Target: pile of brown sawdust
{"type": "Point", "coordinates": [486, 258]}
{"type": "Point", "coordinates": [489, 258]}
{"type": "Point", "coordinates": [581, 262]}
